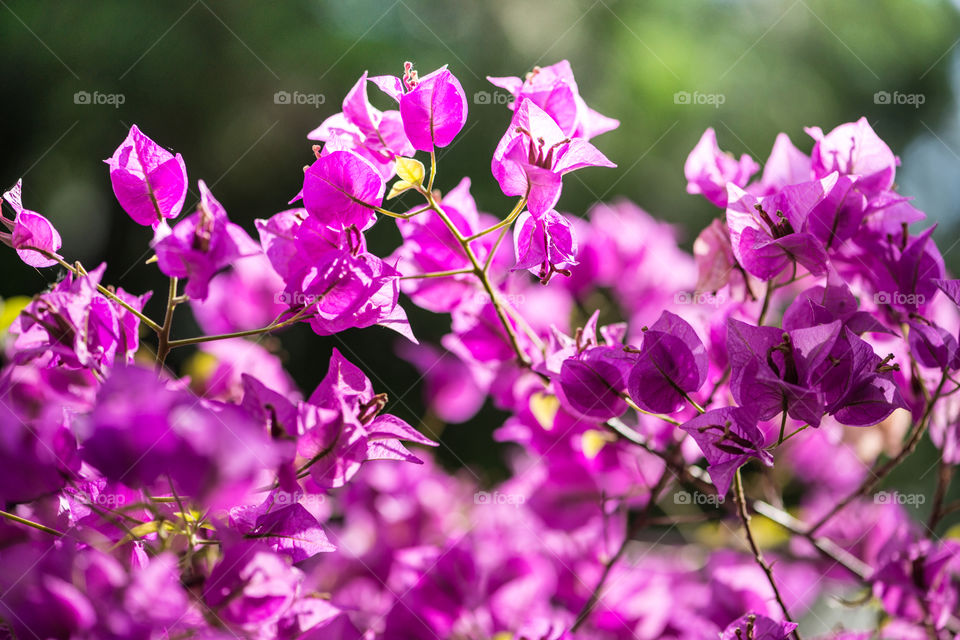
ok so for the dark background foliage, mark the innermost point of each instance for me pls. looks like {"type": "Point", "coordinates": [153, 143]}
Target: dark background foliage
{"type": "Point", "coordinates": [200, 77]}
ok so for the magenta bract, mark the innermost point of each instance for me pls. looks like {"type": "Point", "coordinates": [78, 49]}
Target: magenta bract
{"type": "Point", "coordinates": [434, 110]}
{"type": "Point", "coordinates": [150, 183]}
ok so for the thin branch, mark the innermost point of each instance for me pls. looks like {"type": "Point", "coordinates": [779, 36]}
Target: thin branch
{"type": "Point", "coordinates": [757, 554]}
{"type": "Point", "coordinates": [513, 215]}
{"type": "Point", "coordinates": [876, 476]}
{"type": "Point", "coordinates": [437, 274]}
{"type": "Point", "coordinates": [163, 342]}
{"type": "Point", "coordinates": [80, 271]}
{"type": "Point", "coordinates": [30, 523]}
{"type": "Point", "coordinates": [273, 326]}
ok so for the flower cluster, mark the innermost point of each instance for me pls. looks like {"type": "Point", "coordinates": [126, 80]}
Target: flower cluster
{"type": "Point", "coordinates": [696, 439]}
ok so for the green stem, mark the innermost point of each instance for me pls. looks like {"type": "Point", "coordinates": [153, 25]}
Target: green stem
{"type": "Point", "coordinates": [163, 339]}
{"type": "Point", "coordinates": [400, 216]}
{"type": "Point", "coordinates": [783, 422]}
{"type": "Point", "coordinates": [30, 523]}
{"type": "Point", "coordinates": [792, 433]}
{"type": "Point", "coordinates": [80, 271]}
{"type": "Point", "coordinates": [633, 405]}
{"type": "Point", "coordinates": [766, 304]}
{"type": "Point", "coordinates": [517, 210]}
{"type": "Point", "coordinates": [493, 250]}
{"type": "Point", "coordinates": [239, 334]}
{"type": "Point", "coordinates": [693, 403]}
{"type": "Point", "coordinates": [437, 274]}
{"type": "Point", "coordinates": [878, 474]}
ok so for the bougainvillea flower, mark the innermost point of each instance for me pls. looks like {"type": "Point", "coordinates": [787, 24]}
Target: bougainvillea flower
{"type": "Point", "coordinates": [278, 415]}
{"type": "Point", "coordinates": [921, 581]}
{"type": "Point", "coordinates": [37, 450]}
{"type": "Point", "coordinates": [73, 325]}
{"type": "Point", "coordinates": [284, 526]}
{"type": "Point", "coordinates": [916, 272]}
{"type": "Point", "coordinates": [340, 190]}
{"type": "Point", "coordinates": [346, 428]}
{"type": "Point", "coordinates": [544, 245]}
{"type": "Point", "coordinates": [131, 508]}
{"type": "Point", "coordinates": [822, 304]}
{"type": "Point", "coordinates": [150, 182]}
{"type": "Point", "coordinates": [902, 271]}
{"type": "Point", "coordinates": [376, 135]}
{"type": "Point", "coordinates": [560, 346]}
{"type": "Point", "coordinates": [756, 627]}
{"type": "Point", "coordinates": [40, 597]}
{"type": "Point", "coordinates": [347, 288]}
{"type": "Point", "coordinates": [591, 383]}
{"type": "Point", "coordinates": [773, 371]}
{"type": "Point", "coordinates": [251, 586]}
{"type": "Point", "coordinates": [555, 90]}
{"type": "Point", "coordinates": [950, 288]}
{"type": "Point", "coordinates": [290, 239]}
{"type": "Point", "coordinates": [889, 211]}
{"type": "Point", "coordinates": [434, 109]}
{"type": "Point", "coordinates": [854, 149]}
{"type": "Point", "coordinates": [671, 364]}
{"type": "Point", "coordinates": [728, 438]}
{"type": "Point", "coordinates": [837, 217]}
{"type": "Point", "coordinates": [713, 253]}
{"type": "Point", "coordinates": [933, 346]}
{"type": "Point", "coordinates": [202, 244]}
{"type": "Point", "coordinates": [708, 170]}
{"type": "Point", "coordinates": [70, 592]}
{"type": "Point", "coordinates": [786, 165]}
{"type": "Point", "coordinates": [767, 235]}
{"type": "Point", "coordinates": [28, 231]}
{"type": "Point", "coordinates": [141, 433]}
{"type": "Point", "coordinates": [329, 275]}
{"type": "Point", "coordinates": [857, 385]}
{"type": "Point", "coordinates": [129, 323]}
{"type": "Point", "coordinates": [534, 154]}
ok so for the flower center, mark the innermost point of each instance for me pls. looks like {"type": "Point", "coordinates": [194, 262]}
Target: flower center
{"type": "Point", "coordinates": [410, 78]}
{"type": "Point", "coordinates": [537, 155]}
{"type": "Point", "coordinates": [778, 229]}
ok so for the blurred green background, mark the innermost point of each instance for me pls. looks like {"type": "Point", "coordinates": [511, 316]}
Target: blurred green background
{"type": "Point", "coordinates": [200, 77]}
